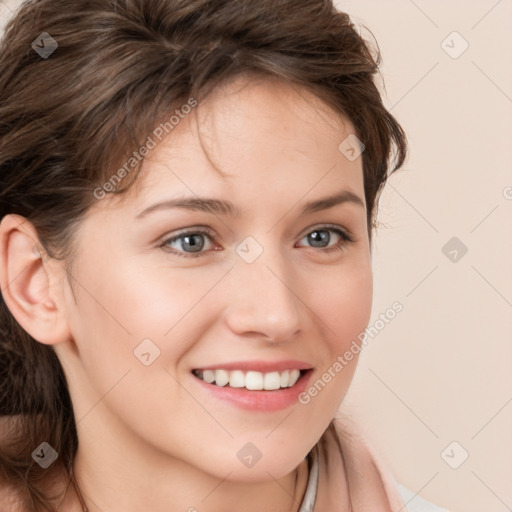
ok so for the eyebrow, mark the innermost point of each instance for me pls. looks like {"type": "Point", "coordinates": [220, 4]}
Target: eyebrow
{"type": "Point", "coordinates": [221, 207]}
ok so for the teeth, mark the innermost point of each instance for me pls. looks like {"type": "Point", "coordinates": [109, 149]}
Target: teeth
{"type": "Point", "coordinates": [236, 379]}
{"type": "Point", "coordinates": [250, 380]}
{"type": "Point", "coordinates": [272, 381]}
{"type": "Point", "coordinates": [294, 377]}
{"type": "Point", "coordinates": [221, 377]}
{"type": "Point", "coordinates": [254, 380]}
{"type": "Point", "coordinates": [209, 376]}
{"type": "Point", "coordinates": [285, 378]}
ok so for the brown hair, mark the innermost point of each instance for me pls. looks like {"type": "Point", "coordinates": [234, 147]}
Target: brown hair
{"type": "Point", "coordinates": [68, 119]}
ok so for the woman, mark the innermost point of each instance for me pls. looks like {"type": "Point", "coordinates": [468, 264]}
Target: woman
{"type": "Point", "coordinates": [188, 192]}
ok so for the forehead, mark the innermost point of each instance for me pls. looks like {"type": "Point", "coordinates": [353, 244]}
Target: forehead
{"type": "Point", "coordinates": [261, 135]}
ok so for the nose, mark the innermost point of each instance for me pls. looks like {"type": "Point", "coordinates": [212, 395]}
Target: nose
{"type": "Point", "coordinates": [262, 301]}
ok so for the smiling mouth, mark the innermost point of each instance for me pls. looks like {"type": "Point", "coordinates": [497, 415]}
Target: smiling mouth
{"type": "Point", "coordinates": [251, 380]}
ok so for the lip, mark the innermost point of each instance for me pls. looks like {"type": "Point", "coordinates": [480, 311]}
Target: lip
{"type": "Point", "coordinates": [257, 401]}
{"type": "Point", "coordinates": [259, 366]}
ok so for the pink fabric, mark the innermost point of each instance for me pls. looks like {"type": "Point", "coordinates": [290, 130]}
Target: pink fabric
{"type": "Point", "coordinates": [359, 473]}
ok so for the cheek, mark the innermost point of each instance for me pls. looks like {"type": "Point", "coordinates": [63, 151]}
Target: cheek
{"type": "Point", "coordinates": [174, 308]}
{"type": "Point", "coordinates": [132, 326]}
{"type": "Point", "coordinates": [134, 302]}
{"type": "Point", "coordinates": [344, 304]}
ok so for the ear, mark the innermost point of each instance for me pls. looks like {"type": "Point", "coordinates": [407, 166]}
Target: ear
{"type": "Point", "coordinates": [31, 283]}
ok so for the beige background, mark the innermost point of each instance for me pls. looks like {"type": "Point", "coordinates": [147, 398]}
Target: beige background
{"type": "Point", "coordinates": [441, 371]}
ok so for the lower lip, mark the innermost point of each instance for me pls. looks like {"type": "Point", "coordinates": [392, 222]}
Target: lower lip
{"type": "Point", "coordinates": [265, 401]}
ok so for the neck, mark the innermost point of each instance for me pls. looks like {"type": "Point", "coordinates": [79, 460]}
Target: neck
{"type": "Point", "coordinates": [122, 484]}
{"type": "Point", "coordinates": [117, 469]}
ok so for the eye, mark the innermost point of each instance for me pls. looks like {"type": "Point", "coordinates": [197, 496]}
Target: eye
{"type": "Point", "coordinates": [320, 238]}
{"type": "Point", "coordinates": [190, 242]}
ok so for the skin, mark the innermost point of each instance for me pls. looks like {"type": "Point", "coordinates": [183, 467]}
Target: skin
{"type": "Point", "coordinates": [150, 432]}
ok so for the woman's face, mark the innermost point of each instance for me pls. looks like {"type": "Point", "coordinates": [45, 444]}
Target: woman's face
{"type": "Point", "coordinates": [267, 284]}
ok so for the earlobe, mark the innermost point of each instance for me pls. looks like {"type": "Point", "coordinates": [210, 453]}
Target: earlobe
{"type": "Point", "coordinates": [29, 282]}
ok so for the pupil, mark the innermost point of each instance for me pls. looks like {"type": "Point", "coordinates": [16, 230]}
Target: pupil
{"type": "Point", "coordinates": [194, 245]}
{"type": "Point", "coordinates": [324, 237]}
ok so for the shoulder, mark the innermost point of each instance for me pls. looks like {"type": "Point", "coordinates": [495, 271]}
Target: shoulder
{"type": "Point", "coordinates": [359, 448]}
{"type": "Point", "coordinates": [415, 503]}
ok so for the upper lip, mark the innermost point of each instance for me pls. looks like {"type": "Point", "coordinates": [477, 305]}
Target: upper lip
{"type": "Point", "coordinates": [259, 366]}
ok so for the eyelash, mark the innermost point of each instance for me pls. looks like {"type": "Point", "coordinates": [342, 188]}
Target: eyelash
{"type": "Point", "coordinates": [345, 240]}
